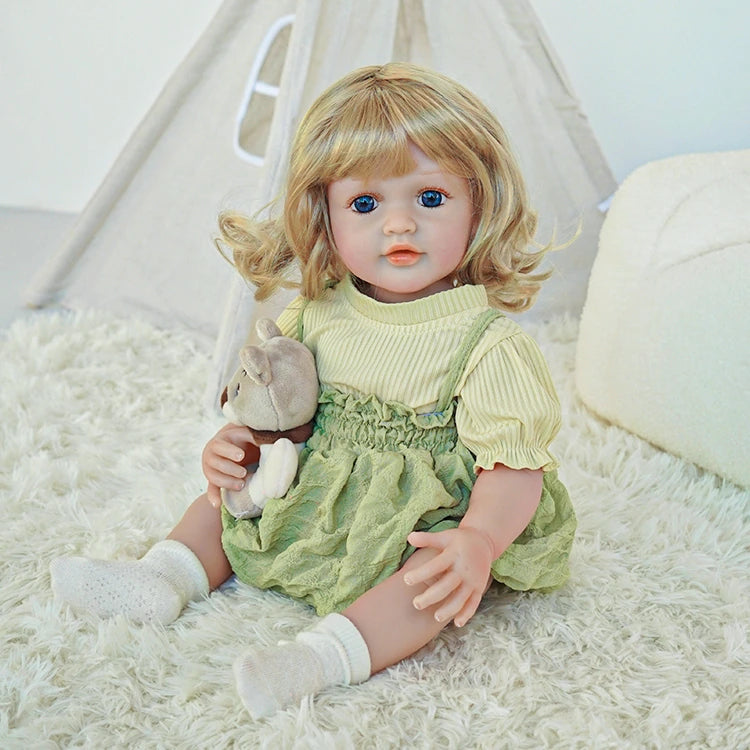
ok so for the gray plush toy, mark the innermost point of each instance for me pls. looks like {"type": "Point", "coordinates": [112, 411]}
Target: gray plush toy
{"type": "Point", "coordinates": [275, 393]}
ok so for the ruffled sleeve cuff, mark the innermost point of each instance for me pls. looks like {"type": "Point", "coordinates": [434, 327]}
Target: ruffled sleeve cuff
{"type": "Point", "coordinates": [514, 456]}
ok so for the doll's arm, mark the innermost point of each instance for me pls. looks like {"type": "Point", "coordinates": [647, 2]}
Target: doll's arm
{"type": "Point", "coordinates": [503, 502]}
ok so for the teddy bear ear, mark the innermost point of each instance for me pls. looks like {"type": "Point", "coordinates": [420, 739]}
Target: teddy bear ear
{"type": "Point", "coordinates": [267, 329]}
{"type": "Point", "coordinates": [256, 364]}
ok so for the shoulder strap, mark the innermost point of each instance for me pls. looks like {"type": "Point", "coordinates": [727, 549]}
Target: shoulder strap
{"type": "Point", "coordinates": [304, 301]}
{"type": "Point", "coordinates": [461, 357]}
{"type": "Point", "coordinates": [300, 319]}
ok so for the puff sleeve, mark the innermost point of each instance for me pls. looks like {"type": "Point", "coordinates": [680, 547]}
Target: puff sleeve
{"type": "Point", "coordinates": [508, 411]}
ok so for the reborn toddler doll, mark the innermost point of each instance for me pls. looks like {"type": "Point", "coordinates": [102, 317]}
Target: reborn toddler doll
{"type": "Point", "coordinates": [428, 474]}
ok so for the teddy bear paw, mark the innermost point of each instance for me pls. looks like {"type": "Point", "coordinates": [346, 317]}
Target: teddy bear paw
{"type": "Point", "coordinates": [240, 504]}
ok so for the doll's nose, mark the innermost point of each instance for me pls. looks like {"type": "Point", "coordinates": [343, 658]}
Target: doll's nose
{"type": "Point", "coordinates": [399, 221]}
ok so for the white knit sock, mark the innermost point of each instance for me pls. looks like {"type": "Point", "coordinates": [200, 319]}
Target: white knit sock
{"type": "Point", "coordinates": [331, 653]}
{"type": "Point", "coordinates": [152, 589]}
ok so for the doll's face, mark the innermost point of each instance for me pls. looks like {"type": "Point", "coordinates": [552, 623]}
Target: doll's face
{"type": "Point", "coordinates": [404, 236]}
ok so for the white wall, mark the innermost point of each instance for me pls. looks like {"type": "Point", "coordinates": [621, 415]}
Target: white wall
{"type": "Point", "coordinates": [656, 78]}
{"type": "Point", "coordinates": [76, 78]}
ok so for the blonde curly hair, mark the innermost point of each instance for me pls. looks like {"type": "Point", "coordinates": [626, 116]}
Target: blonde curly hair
{"type": "Point", "coordinates": [362, 125]}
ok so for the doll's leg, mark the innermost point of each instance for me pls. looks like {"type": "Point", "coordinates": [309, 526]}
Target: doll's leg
{"type": "Point", "coordinates": [182, 568]}
{"type": "Point", "coordinates": [200, 531]}
{"type": "Point", "coordinates": [378, 630]}
{"type": "Point", "coordinates": [388, 621]}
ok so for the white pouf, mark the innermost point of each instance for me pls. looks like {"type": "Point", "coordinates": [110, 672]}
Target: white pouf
{"type": "Point", "coordinates": [664, 346]}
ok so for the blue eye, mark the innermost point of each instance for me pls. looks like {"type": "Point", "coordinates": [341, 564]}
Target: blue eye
{"type": "Point", "coordinates": [363, 204]}
{"type": "Point", "coordinates": [431, 198]}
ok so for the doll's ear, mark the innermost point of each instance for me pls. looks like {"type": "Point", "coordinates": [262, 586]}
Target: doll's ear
{"type": "Point", "coordinates": [255, 363]}
{"type": "Point", "coordinates": [267, 329]}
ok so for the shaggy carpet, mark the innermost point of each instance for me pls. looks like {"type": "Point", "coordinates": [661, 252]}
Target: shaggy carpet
{"type": "Point", "coordinates": [646, 647]}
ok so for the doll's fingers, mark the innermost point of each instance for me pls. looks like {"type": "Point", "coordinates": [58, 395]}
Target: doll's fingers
{"type": "Point", "coordinates": [228, 450]}
{"type": "Point", "coordinates": [214, 495]}
{"type": "Point", "coordinates": [222, 467]}
{"type": "Point", "coordinates": [453, 605]}
{"type": "Point", "coordinates": [428, 539]}
{"type": "Point", "coordinates": [224, 481]}
{"type": "Point", "coordinates": [445, 585]}
{"type": "Point", "coordinates": [235, 433]}
{"type": "Point", "coordinates": [427, 571]}
{"type": "Point", "coordinates": [469, 609]}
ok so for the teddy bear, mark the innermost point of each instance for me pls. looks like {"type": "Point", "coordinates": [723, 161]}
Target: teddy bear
{"type": "Point", "coordinates": [274, 392]}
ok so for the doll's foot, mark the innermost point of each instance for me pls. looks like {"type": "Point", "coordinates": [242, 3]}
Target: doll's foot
{"type": "Point", "coordinates": [331, 653]}
{"type": "Point", "coordinates": [155, 588]}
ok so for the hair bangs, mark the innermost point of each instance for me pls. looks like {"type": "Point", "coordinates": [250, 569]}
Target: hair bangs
{"type": "Point", "coordinates": [363, 127]}
{"type": "Point", "coordinates": [365, 140]}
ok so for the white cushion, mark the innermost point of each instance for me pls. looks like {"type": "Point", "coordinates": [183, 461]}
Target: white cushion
{"type": "Point", "coordinates": [664, 345]}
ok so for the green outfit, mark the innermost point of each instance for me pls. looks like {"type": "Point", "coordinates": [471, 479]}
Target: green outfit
{"type": "Point", "coordinates": [377, 468]}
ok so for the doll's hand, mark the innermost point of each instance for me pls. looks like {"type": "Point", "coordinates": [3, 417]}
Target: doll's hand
{"type": "Point", "coordinates": [458, 577]}
{"type": "Point", "coordinates": [223, 459]}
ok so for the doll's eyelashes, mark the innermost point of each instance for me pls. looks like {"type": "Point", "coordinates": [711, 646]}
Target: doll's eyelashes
{"type": "Point", "coordinates": [431, 198]}
{"type": "Point", "coordinates": [363, 204]}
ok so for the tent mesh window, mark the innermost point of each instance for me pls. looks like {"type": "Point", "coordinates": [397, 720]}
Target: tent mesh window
{"type": "Point", "coordinates": [262, 89]}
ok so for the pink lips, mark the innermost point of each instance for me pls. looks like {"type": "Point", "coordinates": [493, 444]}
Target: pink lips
{"type": "Point", "coordinates": [402, 255]}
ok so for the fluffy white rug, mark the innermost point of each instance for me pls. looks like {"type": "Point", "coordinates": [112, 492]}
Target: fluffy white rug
{"type": "Point", "coordinates": [101, 437]}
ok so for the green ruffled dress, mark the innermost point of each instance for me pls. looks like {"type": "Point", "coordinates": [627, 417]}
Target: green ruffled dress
{"type": "Point", "coordinates": [371, 473]}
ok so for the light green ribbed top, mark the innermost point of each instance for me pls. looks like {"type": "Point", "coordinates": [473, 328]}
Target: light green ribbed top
{"type": "Point", "coordinates": [507, 410]}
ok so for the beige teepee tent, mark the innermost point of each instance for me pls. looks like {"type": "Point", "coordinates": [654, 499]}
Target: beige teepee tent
{"type": "Point", "coordinates": [218, 136]}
